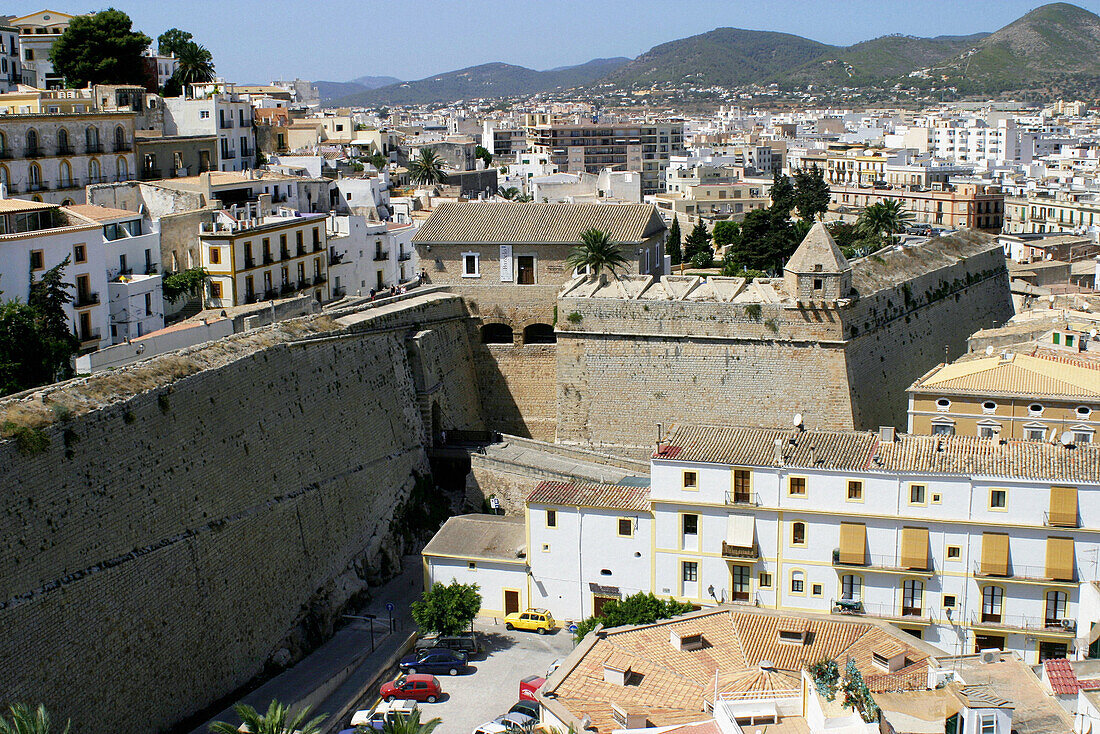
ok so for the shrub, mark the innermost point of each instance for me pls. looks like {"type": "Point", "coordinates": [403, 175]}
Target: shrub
{"type": "Point", "coordinates": [574, 318]}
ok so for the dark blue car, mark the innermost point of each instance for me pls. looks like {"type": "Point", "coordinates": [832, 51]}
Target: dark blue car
{"type": "Point", "coordinates": [435, 660]}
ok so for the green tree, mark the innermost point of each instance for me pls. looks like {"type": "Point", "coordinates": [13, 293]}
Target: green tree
{"type": "Point", "coordinates": [725, 232]}
{"type": "Point", "coordinates": [811, 193]}
{"type": "Point", "coordinates": [377, 160]}
{"type": "Point", "coordinates": [24, 356]}
{"type": "Point", "coordinates": [672, 246]}
{"type": "Point", "coordinates": [279, 719]}
{"type": "Point", "coordinates": [596, 252]}
{"type": "Point", "coordinates": [782, 193]}
{"type": "Point", "coordinates": [697, 241]}
{"type": "Point", "coordinates": [510, 193]}
{"type": "Point", "coordinates": [427, 168]}
{"type": "Point", "coordinates": [882, 220]}
{"type": "Point", "coordinates": [447, 608]}
{"type": "Point", "coordinates": [49, 297]}
{"type": "Point", "coordinates": [22, 719]}
{"type": "Point", "coordinates": [184, 283]}
{"type": "Point", "coordinates": [766, 240]}
{"type": "Point", "coordinates": [484, 155]}
{"type": "Point", "coordinates": [406, 725]}
{"type": "Point", "coordinates": [101, 48]}
{"type": "Point", "coordinates": [171, 41]}
{"type": "Point", "coordinates": [196, 65]}
{"type": "Point", "coordinates": [856, 694]}
{"type": "Point", "coordinates": [640, 608]}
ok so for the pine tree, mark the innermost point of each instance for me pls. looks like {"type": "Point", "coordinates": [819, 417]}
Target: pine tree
{"type": "Point", "coordinates": [672, 247]}
{"type": "Point", "coordinates": [698, 241]}
{"type": "Point", "coordinates": [782, 193]}
{"type": "Point", "coordinates": [811, 193]}
{"type": "Point", "coordinates": [48, 298]}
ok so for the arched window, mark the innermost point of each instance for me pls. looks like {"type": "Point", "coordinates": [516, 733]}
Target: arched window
{"type": "Point", "coordinates": [120, 138]}
{"type": "Point", "coordinates": [798, 582]}
{"type": "Point", "coordinates": [4, 144]}
{"type": "Point", "coordinates": [68, 202]}
{"type": "Point", "coordinates": [539, 334]}
{"type": "Point", "coordinates": [912, 597]}
{"type": "Point", "coordinates": [32, 142]}
{"type": "Point", "coordinates": [122, 169]}
{"type": "Point", "coordinates": [497, 334]}
{"type": "Point", "coordinates": [93, 171]}
{"type": "Point", "coordinates": [66, 176]}
{"type": "Point", "coordinates": [34, 176]}
{"type": "Point", "coordinates": [1055, 608]}
{"type": "Point", "coordinates": [4, 176]}
{"type": "Point", "coordinates": [992, 602]}
{"type": "Point", "coordinates": [851, 587]}
{"type": "Point", "coordinates": [798, 533]}
{"type": "Point", "coordinates": [91, 139]}
{"type": "Point", "coordinates": [63, 147]}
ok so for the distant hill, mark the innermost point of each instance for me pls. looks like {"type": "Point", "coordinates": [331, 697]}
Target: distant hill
{"type": "Point", "coordinates": [1051, 45]}
{"type": "Point", "coordinates": [727, 57]}
{"type": "Point", "coordinates": [332, 90]}
{"type": "Point", "coordinates": [879, 60]}
{"type": "Point", "coordinates": [485, 80]}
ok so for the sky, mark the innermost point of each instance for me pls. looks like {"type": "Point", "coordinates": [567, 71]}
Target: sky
{"type": "Point", "coordinates": [256, 41]}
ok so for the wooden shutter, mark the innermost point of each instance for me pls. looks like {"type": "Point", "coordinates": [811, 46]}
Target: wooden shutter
{"type": "Point", "coordinates": [994, 554]}
{"type": "Point", "coordinates": [1060, 559]}
{"type": "Point", "coordinates": [1063, 507]}
{"type": "Point", "coordinates": [853, 543]}
{"type": "Point", "coordinates": [914, 548]}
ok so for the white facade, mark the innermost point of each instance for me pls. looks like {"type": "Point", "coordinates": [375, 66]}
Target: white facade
{"type": "Point", "coordinates": [37, 32]}
{"type": "Point", "coordinates": [224, 115]}
{"type": "Point", "coordinates": [369, 255]}
{"type": "Point", "coordinates": [136, 306]}
{"type": "Point", "coordinates": [493, 577]}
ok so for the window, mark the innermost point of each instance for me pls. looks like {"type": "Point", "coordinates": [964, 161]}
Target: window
{"type": "Point", "coordinates": [37, 260]}
{"type": "Point", "coordinates": [1035, 410]}
{"type": "Point", "coordinates": [690, 571]}
{"type": "Point", "coordinates": [765, 580]}
{"type": "Point", "coordinates": [1055, 608]}
{"type": "Point", "coordinates": [798, 533]}
{"type": "Point", "coordinates": [472, 566]}
{"type": "Point", "coordinates": [1035, 434]}
{"type": "Point", "coordinates": [851, 587]}
{"type": "Point", "coordinates": [493, 333]}
{"type": "Point", "coordinates": [204, 114]}
{"type": "Point", "coordinates": [988, 724]}
{"type": "Point", "coordinates": [80, 253]}
{"type": "Point", "coordinates": [148, 304]}
{"type": "Point", "coordinates": [855, 491]}
{"type": "Point", "coordinates": [912, 597]}
{"type": "Point", "coordinates": [992, 601]}
{"type": "Point", "coordinates": [917, 494]}
{"type": "Point", "coordinates": [796, 486]}
{"type": "Point", "coordinates": [551, 518]}
{"type": "Point", "coordinates": [943, 404]}
{"type": "Point", "coordinates": [989, 407]}
{"type": "Point", "coordinates": [740, 583]}
{"type": "Point", "coordinates": [471, 265]}
{"type": "Point", "coordinates": [943, 429]}
{"type": "Point", "coordinates": [816, 590]}
{"type": "Point", "coordinates": [949, 601]}
{"type": "Point", "coordinates": [691, 524]}
{"type": "Point", "coordinates": [691, 480]}
{"type": "Point", "coordinates": [626, 527]}
{"type": "Point", "coordinates": [215, 255]}
{"type": "Point", "coordinates": [798, 582]}
{"type": "Point", "coordinates": [1083, 412]}
{"type": "Point", "coordinates": [988, 431]}
{"type": "Point", "coordinates": [742, 487]}
{"type": "Point", "coordinates": [1082, 435]}
{"type": "Point", "coordinates": [954, 552]}
{"type": "Point", "coordinates": [545, 547]}
{"type": "Point", "coordinates": [215, 289]}
{"type": "Point", "coordinates": [998, 499]}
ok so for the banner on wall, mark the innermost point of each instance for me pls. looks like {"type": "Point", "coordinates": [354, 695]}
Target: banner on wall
{"type": "Point", "coordinates": [505, 263]}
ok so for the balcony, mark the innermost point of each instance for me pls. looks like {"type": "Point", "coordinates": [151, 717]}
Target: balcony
{"type": "Point", "coordinates": [89, 339]}
{"type": "Point", "coordinates": [88, 298]}
{"type": "Point", "coordinates": [268, 260]}
{"type": "Point", "coordinates": [317, 246]}
{"type": "Point", "coordinates": [38, 186]}
{"type": "Point", "coordinates": [224, 124]}
{"type": "Point", "coordinates": [884, 563]}
{"type": "Point", "coordinates": [36, 151]}
{"type": "Point", "coordinates": [5, 153]}
{"type": "Point", "coordinates": [404, 256]}
{"type": "Point", "coordinates": [250, 297]}
{"type": "Point", "coordinates": [248, 152]}
{"type": "Point", "coordinates": [1034, 625]}
{"type": "Point", "coordinates": [64, 150]}
{"type": "Point", "coordinates": [750, 499]}
{"type": "Point", "coordinates": [123, 146]}
{"type": "Point", "coordinates": [151, 269]}
{"type": "Point", "coordinates": [319, 279]}
{"type": "Point", "coordinates": [339, 292]}
{"type": "Point", "coordinates": [284, 254]}
{"type": "Point", "coordinates": [271, 294]}
{"type": "Point", "coordinates": [93, 148]}
{"type": "Point", "coordinates": [92, 180]}
{"type": "Point", "coordinates": [301, 250]}
{"type": "Point", "coordinates": [1021, 572]}
{"type": "Point", "coordinates": [904, 614]}
{"type": "Point", "coordinates": [335, 258]}
{"type": "Point", "coordinates": [380, 256]}
{"type": "Point", "coordinates": [1060, 522]}
{"type": "Point", "coordinates": [249, 262]}
{"type": "Point", "coordinates": [738, 552]}
{"type": "Point", "coordinates": [151, 174]}
{"type": "Point", "coordinates": [288, 289]}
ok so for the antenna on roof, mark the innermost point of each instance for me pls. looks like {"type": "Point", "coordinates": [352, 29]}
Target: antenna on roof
{"type": "Point", "coordinates": [1067, 438]}
{"type": "Point", "coordinates": [989, 351]}
{"type": "Point", "coordinates": [798, 422]}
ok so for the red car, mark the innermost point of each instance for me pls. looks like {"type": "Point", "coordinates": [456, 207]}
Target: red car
{"type": "Point", "coordinates": [413, 687]}
{"type": "Point", "coordinates": [529, 685]}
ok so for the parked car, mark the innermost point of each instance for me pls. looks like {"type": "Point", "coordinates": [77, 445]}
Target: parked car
{"type": "Point", "coordinates": [553, 666]}
{"type": "Point", "coordinates": [525, 707]}
{"type": "Point", "coordinates": [418, 687]}
{"type": "Point", "coordinates": [467, 642]}
{"type": "Point", "coordinates": [508, 724]}
{"type": "Point", "coordinates": [529, 685]}
{"type": "Point", "coordinates": [436, 660]}
{"type": "Point", "coordinates": [376, 718]}
{"type": "Point", "coordinates": [538, 620]}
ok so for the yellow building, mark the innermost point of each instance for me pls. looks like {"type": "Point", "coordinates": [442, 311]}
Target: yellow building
{"type": "Point", "coordinates": [1010, 396]}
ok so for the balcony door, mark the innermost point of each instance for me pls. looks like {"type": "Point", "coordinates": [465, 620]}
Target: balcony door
{"type": "Point", "coordinates": [525, 270]}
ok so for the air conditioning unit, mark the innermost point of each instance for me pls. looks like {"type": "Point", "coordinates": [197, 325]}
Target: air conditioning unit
{"type": "Point", "coordinates": [1068, 624]}
{"type": "Point", "coordinates": [992, 655]}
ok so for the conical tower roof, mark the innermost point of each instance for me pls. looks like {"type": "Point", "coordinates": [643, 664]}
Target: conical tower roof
{"type": "Point", "coordinates": [818, 248]}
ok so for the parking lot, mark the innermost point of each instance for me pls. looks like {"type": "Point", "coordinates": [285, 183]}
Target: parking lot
{"type": "Point", "coordinates": [492, 685]}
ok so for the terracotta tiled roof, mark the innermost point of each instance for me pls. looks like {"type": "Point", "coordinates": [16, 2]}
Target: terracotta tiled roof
{"type": "Point", "coordinates": [101, 213]}
{"type": "Point", "coordinates": [1020, 374]}
{"type": "Point", "coordinates": [590, 494]}
{"type": "Point", "coordinates": [507, 222]}
{"type": "Point", "coordinates": [756, 447]}
{"type": "Point", "coordinates": [1061, 676]}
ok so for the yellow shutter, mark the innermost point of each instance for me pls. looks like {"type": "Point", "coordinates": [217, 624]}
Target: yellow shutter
{"type": "Point", "coordinates": [1063, 507]}
{"type": "Point", "coordinates": [994, 554]}
{"type": "Point", "coordinates": [853, 543]}
{"type": "Point", "coordinates": [1060, 559]}
{"type": "Point", "coordinates": [914, 548]}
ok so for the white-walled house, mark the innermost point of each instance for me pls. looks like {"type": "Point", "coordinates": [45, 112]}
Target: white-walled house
{"type": "Point", "coordinates": [217, 112]}
{"type": "Point", "coordinates": [367, 254]}
{"type": "Point", "coordinates": [487, 550]}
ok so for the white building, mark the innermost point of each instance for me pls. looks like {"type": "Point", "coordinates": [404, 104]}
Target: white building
{"type": "Point", "coordinates": [368, 255]}
{"type": "Point", "coordinates": [215, 111]}
{"type": "Point", "coordinates": [500, 561]}
{"type": "Point", "coordinates": [165, 65]}
{"type": "Point", "coordinates": [37, 32]}
{"type": "Point", "coordinates": [10, 72]}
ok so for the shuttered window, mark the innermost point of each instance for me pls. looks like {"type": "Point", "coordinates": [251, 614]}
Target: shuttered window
{"type": "Point", "coordinates": [1060, 559]}
{"type": "Point", "coordinates": [853, 543]}
{"type": "Point", "coordinates": [994, 554]}
{"type": "Point", "coordinates": [914, 548]}
{"type": "Point", "coordinates": [1063, 507]}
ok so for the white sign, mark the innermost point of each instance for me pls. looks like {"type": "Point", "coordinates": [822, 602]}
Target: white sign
{"type": "Point", "coordinates": [505, 263]}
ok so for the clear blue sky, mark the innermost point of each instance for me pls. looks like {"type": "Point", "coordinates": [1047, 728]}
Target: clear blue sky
{"type": "Point", "coordinates": [337, 40]}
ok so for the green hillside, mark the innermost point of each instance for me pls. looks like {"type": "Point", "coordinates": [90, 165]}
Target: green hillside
{"type": "Point", "coordinates": [881, 59]}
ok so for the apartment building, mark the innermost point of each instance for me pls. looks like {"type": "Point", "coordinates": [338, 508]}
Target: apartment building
{"type": "Point", "coordinates": [37, 32]}
{"type": "Point", "coordinates": [710, 202]}
{"type": "Point", "coordinates": [36, 236]}
{"type": "Point", "coordinates": [1010, 396]}
{"type": "Point", "coordinates": [1052, 211]}
{"type": "Point", "coordinates": [583, 145]}
{"type": "Point", "coordinates": [172, 156]}
{"type": "Point", "coordinates": [958, 206]}
{"type": "Point", "coordinates": [503, 141]}
{"type": "Point", "coordinates": [218, 111]}
{"type": "Point", "coordinates": [973, 140]}
{"type": "Point", "coordinates": [10, 70]}
{"type": "Point", "coordinates": [369, 255]}
{"type": "Point", "coordinates": [51, 156]}
{"type": "Point", "coordinates": [251, 257]}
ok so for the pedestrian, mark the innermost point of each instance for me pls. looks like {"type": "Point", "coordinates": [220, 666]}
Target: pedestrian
{"type": "Point", "coordinates": [372, 294]}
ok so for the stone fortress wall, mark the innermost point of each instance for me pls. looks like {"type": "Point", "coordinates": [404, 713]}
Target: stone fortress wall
{"type": "Point", "coordinates": [203, 513]}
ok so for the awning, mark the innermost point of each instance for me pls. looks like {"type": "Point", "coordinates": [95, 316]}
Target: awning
{"type": "Point", "coordinates": [914, 548]}
{"type": "Point", "coordinates": [741, 531]}
{"type": "Point", "coordinates": [853, 543]}
{"type": "Point", "coordinates": [994, 554]}
{"type": "Point", "coordinates": [1060, 559]}
{"type": "Point", "coordinates": [1063, 507]}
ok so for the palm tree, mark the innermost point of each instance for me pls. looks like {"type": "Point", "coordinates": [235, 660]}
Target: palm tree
{"type": "Point", "coordinates": [410, 725]}
{"type": "Point", "coordinates": [596, 252]}
{"type": "Point", "coordinates": [25, 720]}
{"type": "Point", "coordinates": [427, 168]}
{"type": "Point", "coordinates": [509, 193]}
{"type": "Point", "coordinates": [196, 65]}
{"type": "Point", "coordinates": [277, 720]}
{"type": "Point", "coordinates": [884, 219]}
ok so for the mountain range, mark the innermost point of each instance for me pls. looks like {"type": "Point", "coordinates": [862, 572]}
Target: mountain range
{"type": "Point", "coordinates": [1054, 48]}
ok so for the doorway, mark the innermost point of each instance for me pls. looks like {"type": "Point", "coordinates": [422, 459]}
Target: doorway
{"type": "Point", "coordinates": [598, 602]}
{"type": "Point", "coordinates": [525, 270]}
{"type": "Point", "coordinates": [511, 601]}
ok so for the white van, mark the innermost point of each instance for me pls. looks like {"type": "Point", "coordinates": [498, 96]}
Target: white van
{"type": "Point", "coordinates": [376, 718]}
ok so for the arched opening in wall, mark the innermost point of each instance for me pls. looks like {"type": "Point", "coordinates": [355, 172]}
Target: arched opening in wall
{"type": "Point", "coordinates": [497, 334]}
{"type": "Point", "coordinates": [539, 334]}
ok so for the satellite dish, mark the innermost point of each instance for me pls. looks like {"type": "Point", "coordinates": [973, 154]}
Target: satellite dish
{"type": "Point", "coordinates": [1092, 334]}
{"type": "Point", "coordinates": [1067, 438]}
{"type": "Point", "coordinates": [797, 420]}
{"type": "Point", "coordinates": [989, 351]}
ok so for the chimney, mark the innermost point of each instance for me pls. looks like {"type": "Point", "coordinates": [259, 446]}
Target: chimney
{"type": "Point", "coordinates": [886, 434]}
{"type": "Point", "coordinates": [779, 452]}
{"type": "Point", "coordinates": [1096, 277]}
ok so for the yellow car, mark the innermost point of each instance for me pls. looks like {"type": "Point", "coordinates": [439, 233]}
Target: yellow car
{"type": "Point", "coordinates": [539, 620]}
